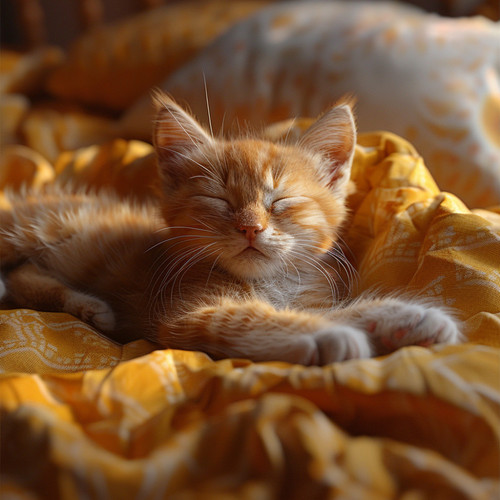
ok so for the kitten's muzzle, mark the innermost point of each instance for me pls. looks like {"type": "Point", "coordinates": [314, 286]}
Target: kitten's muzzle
{"type": "Point", "coordinates": [250, 221]}
{"type": "Point", "coordinates": [250, 232]}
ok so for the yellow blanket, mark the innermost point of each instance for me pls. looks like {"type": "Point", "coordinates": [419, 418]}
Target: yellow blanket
{"type": "Point", "coordinates": [84, 417]}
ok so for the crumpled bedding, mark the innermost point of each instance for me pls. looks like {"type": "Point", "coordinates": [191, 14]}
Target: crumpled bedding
{"type": "Point", "coordinates": [85, 417]}
{"type": "Point", "coordinates": [419, 424]}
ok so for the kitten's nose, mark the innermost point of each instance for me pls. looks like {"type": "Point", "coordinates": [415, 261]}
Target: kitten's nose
{"type": "Point", "coordinates": [251, 231]}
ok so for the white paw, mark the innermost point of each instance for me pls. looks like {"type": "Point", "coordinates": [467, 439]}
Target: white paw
{"type": "Point", "coordinates": [339, 343]}
{"type": "Point", "coordinates": [91, 310]}
{"type": "Point", "coordinates": [103, 319]}
{"type": "Point", "coordinates": [411, 324]}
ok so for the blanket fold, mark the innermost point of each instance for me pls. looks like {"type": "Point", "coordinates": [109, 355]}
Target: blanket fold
{"type": "Point", "coordinates": [83, 416]}
{"type": "Point", "coordinates": [369, 429]}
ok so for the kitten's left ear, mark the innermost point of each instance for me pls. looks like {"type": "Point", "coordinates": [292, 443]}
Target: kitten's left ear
{"type": "Point", "coordinates": [175, 131]}
{"type": "Point", "coordinates": [333, 135]}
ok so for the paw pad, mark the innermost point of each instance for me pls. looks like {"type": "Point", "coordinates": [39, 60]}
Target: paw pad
{"type": "Point", "coordinates": [402, 324]}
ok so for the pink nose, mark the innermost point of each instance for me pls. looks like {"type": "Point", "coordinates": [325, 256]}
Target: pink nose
{"type": "Point", "coordinates": [251, 231]}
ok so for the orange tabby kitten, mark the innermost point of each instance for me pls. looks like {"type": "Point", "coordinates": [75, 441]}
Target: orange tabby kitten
{"type": "Point", "coordinates": [236, 261]}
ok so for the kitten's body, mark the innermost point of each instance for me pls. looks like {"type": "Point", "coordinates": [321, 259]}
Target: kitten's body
{"type": "Point", "coordinates": [244, 266]}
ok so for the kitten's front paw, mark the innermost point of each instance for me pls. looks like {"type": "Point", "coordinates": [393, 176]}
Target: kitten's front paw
{"type": "Point", "coordinates": [91, 310]}
{"type": "Point", "coordinates": [339, 343]}
{"type": "Point", "coordinates": [412, 324]}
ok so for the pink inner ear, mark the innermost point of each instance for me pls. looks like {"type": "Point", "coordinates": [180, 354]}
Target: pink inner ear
{"type": "Point", "coordinates": [343, 147]}
{"type": "Point", "coordinates": [335, 176]}
{"type": "Point", "coordinates": [333, 136]}
{"type": "Point", "coordinates": [175, 128]}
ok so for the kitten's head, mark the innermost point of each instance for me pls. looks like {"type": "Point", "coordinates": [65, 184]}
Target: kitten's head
{"type": "Point", "coordinates": [254, 207]}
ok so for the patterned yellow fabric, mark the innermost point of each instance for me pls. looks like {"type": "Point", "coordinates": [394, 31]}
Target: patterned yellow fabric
{"type": "Point", "coordinates": [44, 342]}
{"type": "Point", "coordinates": [89, 418]}
{"type": "Point", "coordinates": [419, 424]}
{"type": "Point", "coordinates": [406, 233]}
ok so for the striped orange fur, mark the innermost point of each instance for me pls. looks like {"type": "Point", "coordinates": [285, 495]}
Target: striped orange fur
{"type": "Point", "coordinates": [240, 257]}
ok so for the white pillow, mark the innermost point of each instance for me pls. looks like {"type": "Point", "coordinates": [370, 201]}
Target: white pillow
{"type": "Point", "coordinates": [433, 80]}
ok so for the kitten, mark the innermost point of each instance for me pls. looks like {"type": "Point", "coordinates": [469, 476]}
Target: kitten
{"type": "Point", "coordinates": [239, 258]}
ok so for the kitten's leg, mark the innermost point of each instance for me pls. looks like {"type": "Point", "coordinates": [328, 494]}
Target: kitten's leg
{"type": "Point", "coordinates": [256, 331]}
{"type": "Point", "coordinates": [29, 286]}
{"type": "Point", "coordinates": [392, 323]}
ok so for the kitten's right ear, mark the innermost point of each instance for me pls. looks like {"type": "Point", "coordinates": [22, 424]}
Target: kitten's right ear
{"type": "Point", "coordinates": [175, 131]}
{"type": "Point", "coordinates": [333, 135]}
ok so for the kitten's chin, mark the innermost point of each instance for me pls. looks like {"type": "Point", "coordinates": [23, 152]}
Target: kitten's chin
{"type": "Point", "coordinates": [249, 265]}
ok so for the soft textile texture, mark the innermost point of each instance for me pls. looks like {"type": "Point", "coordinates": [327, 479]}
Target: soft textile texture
{"type": "Point", "coordinates": [433, 80]}
{"type": "Point", "coordinates": [421, 423]}
{"type": "Point", "coordinates": [88, 417]}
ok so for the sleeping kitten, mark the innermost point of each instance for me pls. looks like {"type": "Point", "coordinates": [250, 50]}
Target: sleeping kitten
{"type": "Point", "coordinates": [239, 259]}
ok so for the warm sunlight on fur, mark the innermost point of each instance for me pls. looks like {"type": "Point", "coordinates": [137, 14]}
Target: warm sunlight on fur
{"type": "Point", "coordinates": [258, 207]}
{"type": "Point", "coordinates": [240, 258]}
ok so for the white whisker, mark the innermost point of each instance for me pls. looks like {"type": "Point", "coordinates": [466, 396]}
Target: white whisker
{"type": "Point", "coordinates": [211, 270]}
{"type": "Point", "coordinates": [289, 129]}
{"type": "Point", "coordinates": [187, 237]}
{"type": "Point", "coordinates": [189, 264]}
{"type": "Point", "coordinates": [318, 265]}
{"type": "Point", "coordinates": [168, 266]}
{"type": "Point", "coordinates": [178, 227]}
{"type": "Point", "coordinates": [208, 105]}
{"type": "Point", "coordinates": [169, 277]}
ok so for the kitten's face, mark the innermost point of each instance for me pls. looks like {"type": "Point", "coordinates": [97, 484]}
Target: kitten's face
{"type": "Point", "coordinates": [253, 207]}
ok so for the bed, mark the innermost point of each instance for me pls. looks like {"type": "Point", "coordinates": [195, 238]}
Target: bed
{"type": "Point", "coordinates": [85, 417]}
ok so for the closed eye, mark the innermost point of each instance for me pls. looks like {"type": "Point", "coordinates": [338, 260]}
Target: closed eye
{"type": "Point", "coordinates": [213, 200]}
{"type": "Point", "coordinates": [288, 201]}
